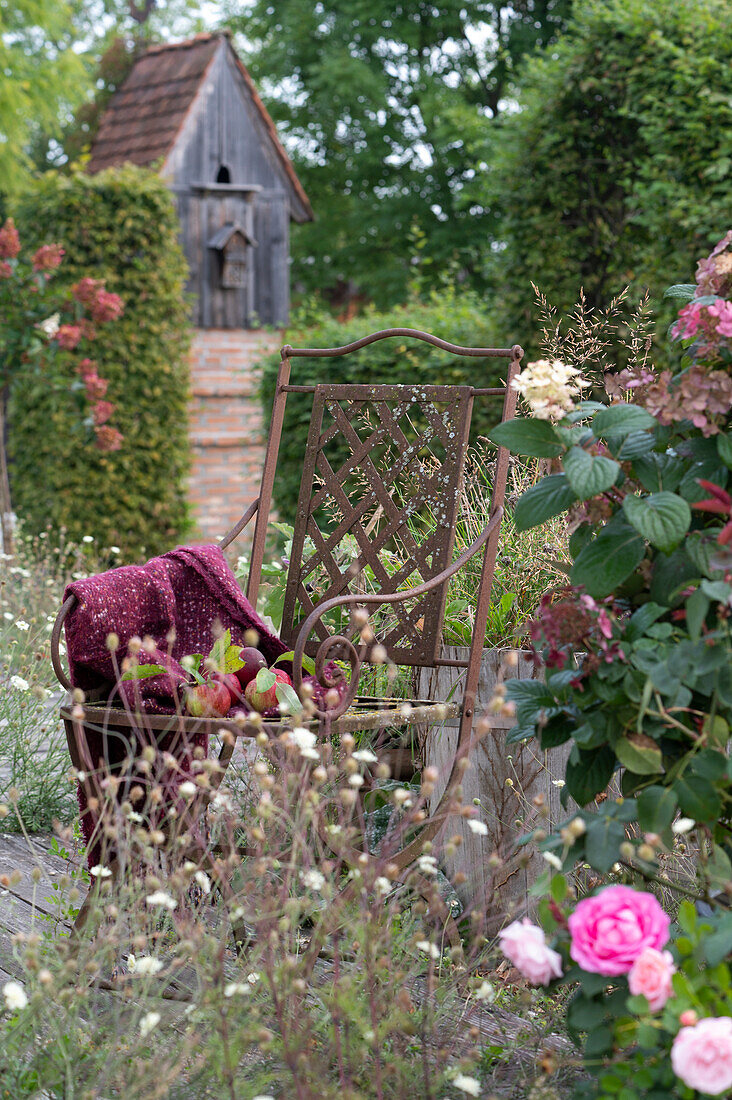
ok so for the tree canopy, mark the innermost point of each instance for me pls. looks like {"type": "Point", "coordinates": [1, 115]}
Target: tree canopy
{"type": "Point", "coordinates": [384, 109]}
{"type": "Point", "coordinates": [617, 168]}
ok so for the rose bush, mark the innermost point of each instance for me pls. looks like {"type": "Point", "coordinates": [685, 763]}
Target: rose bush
{"type": "Point", "coordinates": [637, 647]}
{"type": "Point", "coordinates": [654, 1022]}
{"type": "Point", "coordinates": [41, 328]}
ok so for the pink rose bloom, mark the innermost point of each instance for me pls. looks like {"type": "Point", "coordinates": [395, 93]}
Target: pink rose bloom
{"type": "Point", "coordinates": [650, 977]}
{"type": "Point", "coordinates": [525, 946]}
{"type": "Point", "coordinates": [702, 1055]}
{"type": "Point", "coordinates": [610, 930]}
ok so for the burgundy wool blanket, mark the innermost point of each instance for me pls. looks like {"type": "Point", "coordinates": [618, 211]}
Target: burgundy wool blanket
{"type": "Point", "coordinates": [181, 593]}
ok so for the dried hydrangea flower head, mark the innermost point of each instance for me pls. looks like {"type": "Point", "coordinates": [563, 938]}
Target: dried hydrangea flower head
{"type": "Point", "coordinates": [549, 387]}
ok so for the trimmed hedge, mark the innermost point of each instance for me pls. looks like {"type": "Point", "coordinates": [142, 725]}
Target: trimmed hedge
{"type": "Point", "coordinates": [456, 316]}
{"type": "Point", "coordinates": [121, 226]}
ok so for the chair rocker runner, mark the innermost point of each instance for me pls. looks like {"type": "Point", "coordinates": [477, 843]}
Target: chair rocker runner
{"type": "Point", "coordinates": [378, 458]}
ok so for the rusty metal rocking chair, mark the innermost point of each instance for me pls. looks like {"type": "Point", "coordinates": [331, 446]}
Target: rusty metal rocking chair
{"type": "Point", "coordinates": [377, 457]}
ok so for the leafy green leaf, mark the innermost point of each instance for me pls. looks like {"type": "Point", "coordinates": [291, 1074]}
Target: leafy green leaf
{"type": "Point", "coordinates": [602, 841]}
{"type": "Point", "coordinates": [307, 662]}
{"type": "Point", "coordinates": [639, 753]}
{"type": "Point", "coordinates": [549, 497]}
{"type": "Point", "coordinates": [697, 797]}
{"type": "Point", "coordinates": [232, 659]}
{"type": "Point", "coordinates": [656, 472]}
{"type": "Point", "coordinates": [697, 606]}
{"type": "Point", "coordinates": [589, 773]}
{"type": "Point", "coordinates": [589, 475]}
{"type": "Point", "coordinates": [724, 449]}
{"type": "Point", "coordinates": [620, 420]}
{"type": "Point", "coordinates": [265, 680]}
{"type": "Point", "coordinates": [286, 695]}
{"type": "Point", "coordinates": [662, 518]}
{"type": "Point", "coordinates": [606, 561]}
{"type": "Point", "coordinates": [718, 945]}
{"type": "Point", "coordinates": [217, 656]}
{"type": "Point", "coordinates": [685, 291]}
{"type": "Point", "coordinates": [657, 807]}
{"type": "Point", "coordinates": [143, 672]}
{"type": "Point", "coordinates": [527, 436]}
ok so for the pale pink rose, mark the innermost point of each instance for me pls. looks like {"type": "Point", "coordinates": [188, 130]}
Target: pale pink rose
{"type": "Point", "coordinates": [525, 946]}
{"type": "Point", "coordinates": [610, 930]}
{"type": "Point", "coordinates": [650, 977]}
{"type": "Point", "coordinates": [688, 1018]}
{"type": "Point", "coordinates": [702, 1055]}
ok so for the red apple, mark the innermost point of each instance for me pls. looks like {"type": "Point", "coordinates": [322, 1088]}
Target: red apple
{"type": "Point", "coordinates": [230, 681]}
{"type": "Point", "coordinates": [262, 700]}
{"type": "Point", "coordinates": [253, 661]}
{"type": "Point", "coordinates": [208, 700]}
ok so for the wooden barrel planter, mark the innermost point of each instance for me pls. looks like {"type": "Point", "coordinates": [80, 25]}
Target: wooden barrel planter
{"type": "Point", "coordinates": [511, 782]}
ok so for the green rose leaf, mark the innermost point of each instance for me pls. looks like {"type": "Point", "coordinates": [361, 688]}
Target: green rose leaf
{"type": "Point", "coordinates": [656, 808]}
{"type": "Point", "coordinates": [662, 518]}
{"type": "Point", "coordinates": [620, 420]}
{"type": "Point", "coordinates": [524, 436]}
{"type": "Point", "coordinates": [718, 945]}
{"type": "Point", "coordinates": [698, 799]}
{"type": "Point", "coordinates": [549, 497]}
{"type": "Point", "coordinates": [602, 842]}
{"type": "Point", "coordinates": [587, 474]}
{"type": "Point", "coordinates": [640, 754]}
{"type": "Point", "coordinates": [588, 773]}
{"type": "Point", "coordinates": [606, 561]}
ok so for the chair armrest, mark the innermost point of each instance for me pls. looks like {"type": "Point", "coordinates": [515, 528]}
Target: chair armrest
{"type": "Point", "coordinates": [237, 529]}
{"type": "Point", "coordinates": [61, 676]}
{"type": "Point", "coordinates": [378, 598]}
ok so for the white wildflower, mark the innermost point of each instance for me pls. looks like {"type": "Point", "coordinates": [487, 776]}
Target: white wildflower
{"type": "Point", "coordinates": [15, 996]}
{"type": "Point", "coordinates": [188, 789]}
{"type": "Point", "coordinates": [234, 988]}
{"type": "Point", "coordinates": [312, 880]}
{"type": "Point", "coordinates": [471, 1085]}
{"type": "Point", "coordinates": [430, 949]}
{"type": "Point", "coordinates": [50, 326]}
{"type": "Point", "coordinates": [548, 388]}
{"type": "Point", "coordinates": [683, 825]}
{"type": "Point", "coordinates": [558, 783]}
{"type": "Point", "coordinates": [145, 965]}
{"type": "Point", "coordinates": [162, 899]}
{"type": "Point", "coordinates": [21, 624]}
{"type": "Point", "coordinates": [427, 865]}
{"type": "Point", "coordinates": [7, 615]}
{"type": "Point", "coordinates": [222, 801]}
{"type": "Point", "coordinates": [148, 1022]}
{"type": "Point", "coordinates": [254, 977]}
{"type": "Point", "coordinates": [365, 756]}
{"type": "Point", "coordinates": [99, 871]}
{"type": "Point", "coordinates": [303, 738]}
{"type": "Point", "coordinates": [382, 886]}
{"type": "Point", "coordinates": [203, 881]}
{"type": "Point", "coordinates": [478, 827]}
{"type": "Point", "coordinates": [402, 797]}
{"type": "Point", "coordinates": [87, 538]}
{"type": "Point", "coordinates": [552, 859]}
{"type": "Point", "coordinates": [115, 550]}
{"type": "Point", "coordinates": [19, 683]}
{"type": "Point", "coordinates": [356, 780]}
{"type": "Point", "coordinates": [485, 992]}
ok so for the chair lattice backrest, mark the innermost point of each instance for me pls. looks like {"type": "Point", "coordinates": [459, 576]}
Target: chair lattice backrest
{"type": "Point", "coordinates": [379, 461]}
{"type": "Point", "coordinates": [379, 497]}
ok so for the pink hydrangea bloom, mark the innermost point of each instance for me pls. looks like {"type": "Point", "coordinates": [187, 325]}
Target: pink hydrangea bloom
{"type": "Point", "coordinates": [723, 312]}
{"type": "Point", "coordinates": [69, 336]}
{"type": "Point", "coordinates": [650, 977]}
{"type": "Point", "coordinates": [702, 1055]}
{"type": "Point", "coordinates": [524, 944]}
{"type": "Point", "coordinates": [9, 240]}
{"type": "Point", "coordinates": [610, 930]}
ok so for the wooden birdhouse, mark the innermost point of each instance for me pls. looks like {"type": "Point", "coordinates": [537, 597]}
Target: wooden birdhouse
{"type": "Point", "coordinates": [192, 107]}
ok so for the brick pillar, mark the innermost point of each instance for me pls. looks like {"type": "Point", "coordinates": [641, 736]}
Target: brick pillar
{"type": "Point", "coordinates": [227, 433]}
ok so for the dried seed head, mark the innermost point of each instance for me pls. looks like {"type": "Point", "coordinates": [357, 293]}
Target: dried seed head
{"type": "Point", "coordinates": [112, 642]}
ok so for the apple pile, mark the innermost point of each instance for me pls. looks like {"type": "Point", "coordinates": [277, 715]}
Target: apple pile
{"type": "Point", "coordinates": [243, 681]}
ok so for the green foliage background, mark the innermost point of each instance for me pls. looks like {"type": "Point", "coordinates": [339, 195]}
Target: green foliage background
{"type": "Point", "coordinates": [617, 169]}
{"type": "Point", "coordinates": [119, 225]}
{"type": "Point", "coordinates": [454, 316]}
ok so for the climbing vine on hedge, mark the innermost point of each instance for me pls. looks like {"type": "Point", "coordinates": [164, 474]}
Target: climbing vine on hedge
{"type": "Point", "coordinates": [120, 226]}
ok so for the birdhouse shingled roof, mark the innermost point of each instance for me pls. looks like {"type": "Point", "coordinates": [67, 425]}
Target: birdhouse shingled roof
{"type": "Point", "coordinates": [147, 113]}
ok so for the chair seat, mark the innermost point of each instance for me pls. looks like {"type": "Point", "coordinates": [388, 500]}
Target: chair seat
{"type": "Point", "coordinates": [365, 713]}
